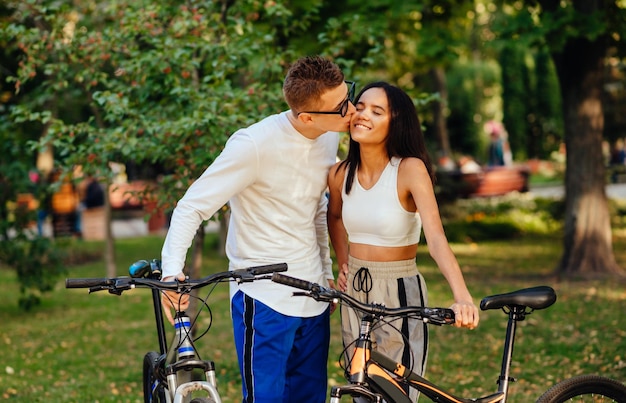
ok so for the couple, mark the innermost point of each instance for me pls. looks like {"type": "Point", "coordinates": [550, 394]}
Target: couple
{"type": "Point", "coordinates": [274, 175]}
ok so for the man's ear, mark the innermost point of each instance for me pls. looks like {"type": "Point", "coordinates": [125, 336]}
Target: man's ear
{"type": "Point", "coordinates": [305, 118]}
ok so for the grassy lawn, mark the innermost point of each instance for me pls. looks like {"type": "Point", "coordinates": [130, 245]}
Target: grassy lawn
{"type": "Point", "coordinates": [77, 347]}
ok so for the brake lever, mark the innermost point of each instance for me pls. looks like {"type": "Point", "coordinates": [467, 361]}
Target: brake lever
{"type": "Point", "coordinates": [316, 295]}
{"type": "Point", "coordinates": [438, 317]}
{"type": "Point", "coordinates": [96, 289]}
{"type": "Point", "coordinates": [244, 277]}
{"type": "Point", "coordinates": [115, 291]}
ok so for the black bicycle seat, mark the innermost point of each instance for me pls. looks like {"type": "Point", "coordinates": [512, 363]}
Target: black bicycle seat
{"type": "Point", "coordinates": [539, 297]}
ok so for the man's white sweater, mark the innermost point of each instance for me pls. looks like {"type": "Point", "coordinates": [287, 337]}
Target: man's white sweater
{"type": "Point", "coordinates": [274, 180]}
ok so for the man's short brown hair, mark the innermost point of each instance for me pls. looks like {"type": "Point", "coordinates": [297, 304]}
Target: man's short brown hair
{"type": "Point", "coordinates": [307, 79]}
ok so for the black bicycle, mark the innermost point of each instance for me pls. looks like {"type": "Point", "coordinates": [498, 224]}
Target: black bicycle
{"type": "Point", "coordinates": [376, 378]}
{"type": "Point", "coordinates": [171, 375]}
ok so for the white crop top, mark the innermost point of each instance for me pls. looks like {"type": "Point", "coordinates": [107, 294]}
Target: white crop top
{"type": "Point", "coordinates": [375, 216]}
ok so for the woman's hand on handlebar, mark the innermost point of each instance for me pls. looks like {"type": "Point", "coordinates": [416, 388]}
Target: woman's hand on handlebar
{"type": "Point", "coordinates": [466, 314]}
{"type": "Point", "coordinates": [173, 301]}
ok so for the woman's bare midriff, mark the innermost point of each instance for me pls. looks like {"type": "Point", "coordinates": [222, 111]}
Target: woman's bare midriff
{"type": "Point", "coordinates": [382, 253]}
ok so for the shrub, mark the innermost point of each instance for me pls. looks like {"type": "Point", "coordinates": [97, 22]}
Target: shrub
{"type": "Point", "coordinates": [504, 217]}
{"type": "Point", "coordinates": [38, 263]}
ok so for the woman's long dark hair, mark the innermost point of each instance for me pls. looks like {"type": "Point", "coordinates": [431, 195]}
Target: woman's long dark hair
{"type": "Point", "coordinates": [405, 138]}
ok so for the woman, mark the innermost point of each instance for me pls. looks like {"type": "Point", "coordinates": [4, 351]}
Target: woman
{"type": "Point", "coordinates": [380, 197]}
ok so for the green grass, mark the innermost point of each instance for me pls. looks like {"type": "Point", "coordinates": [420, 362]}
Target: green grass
{"type": "Point", "coordinates": [77, 347]}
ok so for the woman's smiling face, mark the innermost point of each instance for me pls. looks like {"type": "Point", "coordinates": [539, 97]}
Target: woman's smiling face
{"type": "Point", "coordinates": [370, 123]}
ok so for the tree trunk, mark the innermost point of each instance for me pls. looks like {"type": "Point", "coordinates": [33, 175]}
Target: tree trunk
{"type": "Point", "coordinates": [109, 254]}
{"type": "Point", "coordinates": [224, 219]}
{"type": "Point", "coordinates": [195, 272]}
{"type": "Point", "coordinates": [438, 77]}
{"type": "Point", "coordinates": [588, 247]}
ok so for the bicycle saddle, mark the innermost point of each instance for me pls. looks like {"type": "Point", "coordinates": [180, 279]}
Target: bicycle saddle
{"type": "Point", "coordinates": [535, 298]}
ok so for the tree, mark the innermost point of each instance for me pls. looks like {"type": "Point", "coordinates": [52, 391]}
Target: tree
{"type": "Point", "coordinates": [580, 66]}
{"type": "Point", "coordinates": [155, 83]}
{"type": "Point", "coordinates": [579, 34]}
{"type": "Point", "coordinates": [515, 102]}
{"type": "Point", "coordinates": [547, 119]}
{"type": "Point", "coordinates": [147, 82]}
{"type": "Point", "coordinates": [169, 82]}
{"type": "Point", "coordinates": [423, 47]}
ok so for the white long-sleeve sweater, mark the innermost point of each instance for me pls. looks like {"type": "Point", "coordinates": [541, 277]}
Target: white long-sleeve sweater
{"type": "Point", "coordinates": [274, 179]}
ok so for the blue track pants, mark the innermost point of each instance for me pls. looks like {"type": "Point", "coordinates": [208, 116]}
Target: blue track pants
{"type": "Point", "coordinates": [281, 358]}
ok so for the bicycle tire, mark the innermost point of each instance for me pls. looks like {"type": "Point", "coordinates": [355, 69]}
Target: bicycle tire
{"type": "Point", "coordinates": [149, 378]}
{"type": "Point", "coordinates": [585, 388]}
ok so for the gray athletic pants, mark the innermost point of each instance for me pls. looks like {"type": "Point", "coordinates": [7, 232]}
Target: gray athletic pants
{"type": "Point", "coordinates": [393, 284]}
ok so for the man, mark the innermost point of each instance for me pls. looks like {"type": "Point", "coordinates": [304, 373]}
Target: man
{"type": "Point", "coordinates": [273, 175]}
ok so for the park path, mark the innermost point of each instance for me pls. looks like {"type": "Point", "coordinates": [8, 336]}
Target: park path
{"type": "Point", "coordinates": [613, 191]}
{"type": "Point", "coordinates": [133, 227]}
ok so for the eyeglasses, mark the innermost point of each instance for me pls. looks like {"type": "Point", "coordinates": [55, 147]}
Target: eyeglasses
{"type": "Point", "coordinates": [343, 108]}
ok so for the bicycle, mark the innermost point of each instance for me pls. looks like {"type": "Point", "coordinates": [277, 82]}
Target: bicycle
{"type": "Point", "coordinates": [170, 374]}
{"type": "Point", "coordinates": [378, 378]}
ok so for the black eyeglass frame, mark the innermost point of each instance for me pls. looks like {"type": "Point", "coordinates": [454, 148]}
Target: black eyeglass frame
{"type": "Point", "coordinates": [343, 108]}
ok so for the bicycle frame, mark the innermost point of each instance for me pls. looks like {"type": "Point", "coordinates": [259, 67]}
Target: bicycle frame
{"type": "Point", "coordinates": [391, 381]}
{"type": "Point", "coordinates": [158, 317]}
{"type": "Point", "coordinates": [167, 375]}
{"type": "Point", "coordinates": [373, 371]}
{"type": "Point", "coordinates": [178, 367]}
{"type": "Point", "coordinates": [379, 378]}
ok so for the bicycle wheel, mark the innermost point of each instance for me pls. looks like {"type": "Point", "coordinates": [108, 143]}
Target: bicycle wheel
{"type": "Point", "coordinates": [585, 388]}
{"type": "Point", "coordinates": [153, 390]}
{"type": "Point", "coordinates": [202, 400]}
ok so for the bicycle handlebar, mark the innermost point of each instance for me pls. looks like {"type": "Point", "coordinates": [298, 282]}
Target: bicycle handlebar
{"type": "Point", "coordinates": [119, 284]}
{"type": "Point", "coordinates": [435, 316]}
{"type": "Point", "coordinates": [88, 282]}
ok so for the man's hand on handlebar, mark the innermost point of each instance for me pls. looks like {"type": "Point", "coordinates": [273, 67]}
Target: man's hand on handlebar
{"type": "Point", "coordinates": [173, 301]}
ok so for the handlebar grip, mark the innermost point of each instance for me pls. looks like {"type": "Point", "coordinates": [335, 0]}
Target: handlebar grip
{"type": "Point", "coordinates": [86, 282]}
{"type": "Point", "coordinates": [292, 281]}
{"type": "Point", "coordinates": [267, 269]}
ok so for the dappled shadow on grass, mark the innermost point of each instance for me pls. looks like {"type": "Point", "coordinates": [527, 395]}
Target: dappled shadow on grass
{"type": "Point", "coordinates": [528, 258]}
{"type": "Point", "coordinates": [499, 266]}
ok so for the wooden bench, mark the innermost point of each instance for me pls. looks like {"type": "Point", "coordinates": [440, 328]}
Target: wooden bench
{"type": "Point", "coordinates": [493, 181]}
{"type": "Point", "coordinates": [502, 180]}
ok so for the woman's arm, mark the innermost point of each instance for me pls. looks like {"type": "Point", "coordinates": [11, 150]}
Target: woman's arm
{"type": "Point", "coordinates": [415, 187]}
